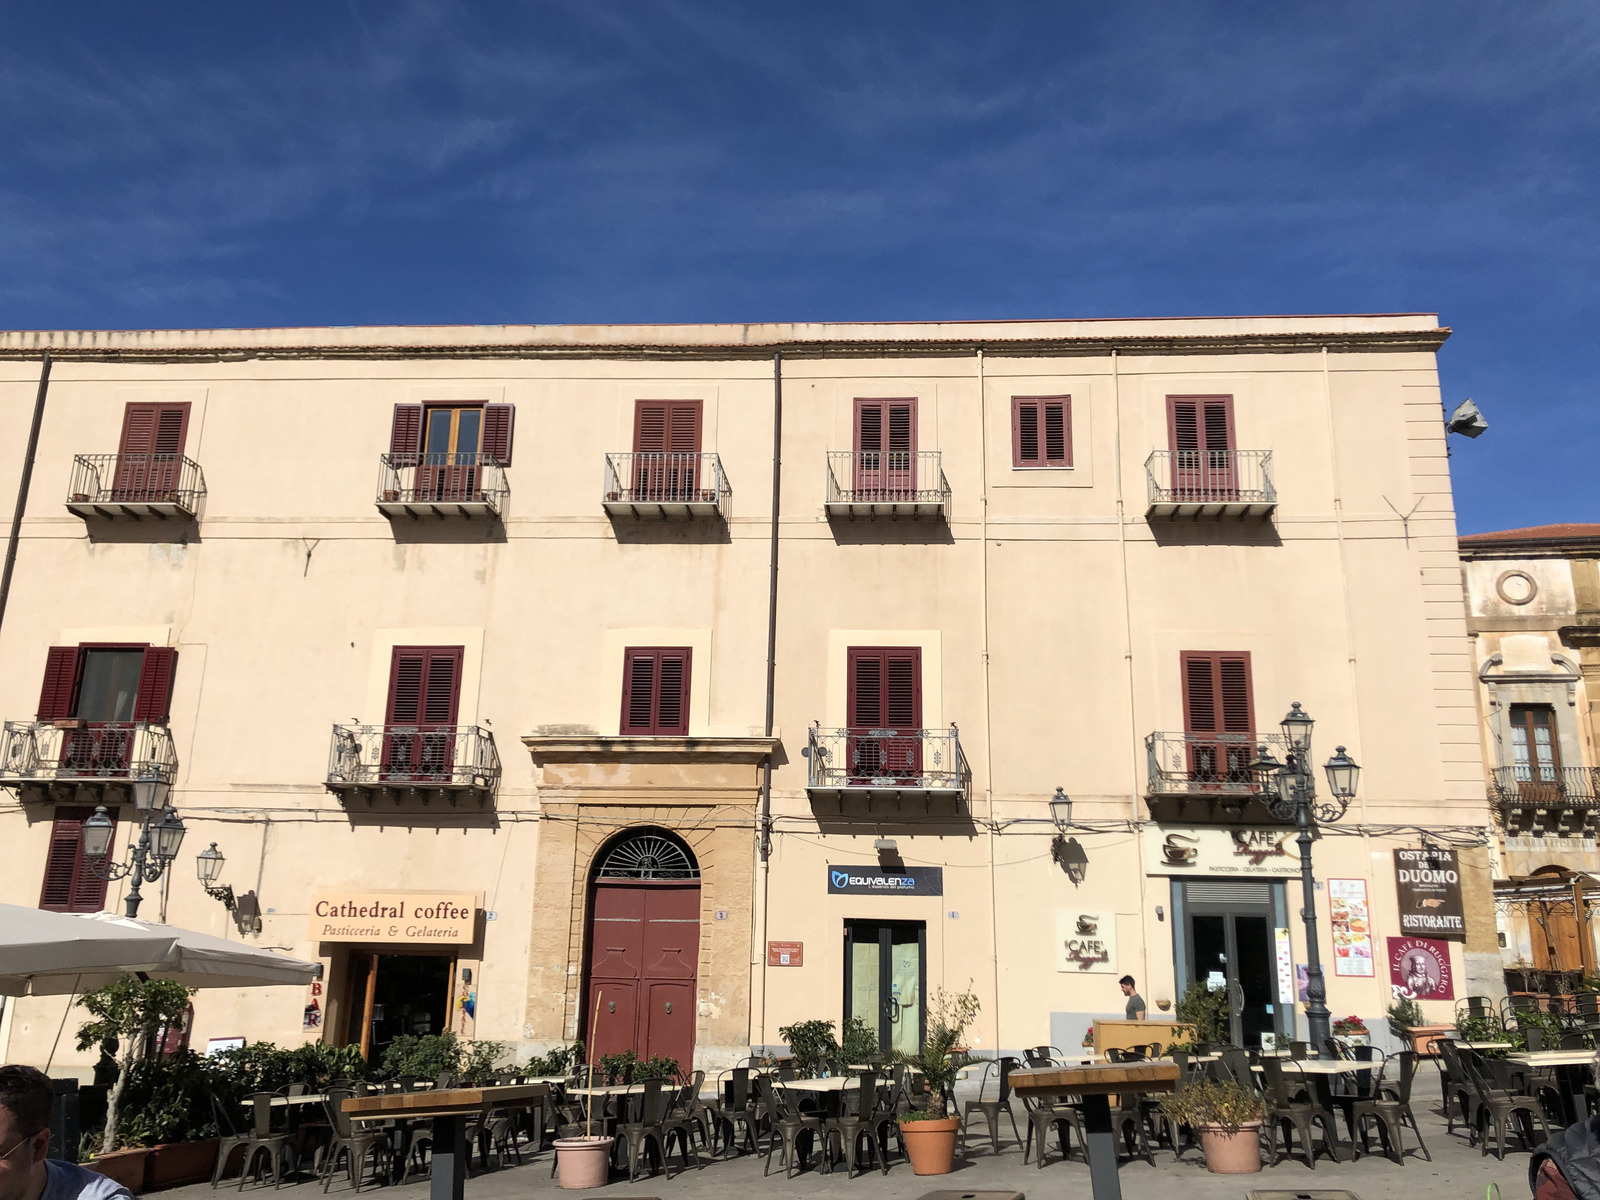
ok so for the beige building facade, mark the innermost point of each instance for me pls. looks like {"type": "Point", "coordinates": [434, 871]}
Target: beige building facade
{"type": "Point", "coordinates": [411, 615]}
{"type": "Point", "coordinates": [1533, 615]}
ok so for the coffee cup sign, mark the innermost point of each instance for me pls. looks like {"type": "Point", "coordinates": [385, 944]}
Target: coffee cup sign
{"type": "Point", "coordinates": [1428, 891]}
{"type": "Point", "coordinates": [1086, 942]}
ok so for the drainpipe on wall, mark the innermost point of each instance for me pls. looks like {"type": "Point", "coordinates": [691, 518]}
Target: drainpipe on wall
{"type": "Point", "coordinates": [22, 486]}
{"type": "Point", "coordinates": [758, 955]}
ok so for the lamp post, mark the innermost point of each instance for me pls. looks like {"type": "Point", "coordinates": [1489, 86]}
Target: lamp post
{"type": "Point", "coordinates": [1068, 853]}
{"type": "Point", "coordinates": [160, 836]}
{"type": "Point", "coordinates": [1291, 794]}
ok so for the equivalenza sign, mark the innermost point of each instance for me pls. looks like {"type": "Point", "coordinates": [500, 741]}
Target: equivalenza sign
{"type": "Point", "coordinates": [875, 881]}
{"type": "Point", "coordinates": [394, 916]}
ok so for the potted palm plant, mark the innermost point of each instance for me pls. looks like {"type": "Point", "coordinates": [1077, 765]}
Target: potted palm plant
{"type": "Point", "coordinates": [930, 1136]}
{"type": "Point", "coordinates": [1228, 1119]}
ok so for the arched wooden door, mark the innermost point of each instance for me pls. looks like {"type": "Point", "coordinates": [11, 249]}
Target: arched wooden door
{"type": "Point", "coordinates": [644, 948]}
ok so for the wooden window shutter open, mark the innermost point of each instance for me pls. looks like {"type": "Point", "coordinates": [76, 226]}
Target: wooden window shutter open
{"type": "Point", "coordinates": [154, 702]}
{"type": "Point", "coordinates": [60, 691]}
{"type": "Point", "coordinates": [498, 421]}
{"type": "Point", "coordinates": [1041, 431]}
{"type": "Point", "coordinates": [69, 885]}
{"type": "Point", "coordinates": [405, 434]}
{"type": "Point", "coordinates": [655, 691]}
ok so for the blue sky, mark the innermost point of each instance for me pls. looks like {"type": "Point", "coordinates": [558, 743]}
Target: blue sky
{"type": "Point", "coordinates": [196, 164]}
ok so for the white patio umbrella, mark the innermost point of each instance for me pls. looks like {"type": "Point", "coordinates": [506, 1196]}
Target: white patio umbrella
{"type": "Point", "coordinates": [57, 954]}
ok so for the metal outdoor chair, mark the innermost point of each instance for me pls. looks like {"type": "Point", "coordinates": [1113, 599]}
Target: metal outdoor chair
{"type": "Point", "coordinates": [1285, 1111]}
{"type": "Point", "coordinates": [738, 1111]}
{"type": "Point", "coordinates": [357, 1146]}
{"type": "Point", "coordinates": [1497, 1102]}
{"type": "Point", "coordinates": [256, 1136]}
{"type": "Point", "coordinates": [865, 1122]}
{"type": "Point", "coordinates": [786, 1126]}
{"type": "Point", "coordinates": [990, 1109]}
{"type": "Point", "coordinates": [1390, 1108]}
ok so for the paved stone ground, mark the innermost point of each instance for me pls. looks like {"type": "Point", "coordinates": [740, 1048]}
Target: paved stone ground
{"type": "Point", "coordinates": [1457, 1172]}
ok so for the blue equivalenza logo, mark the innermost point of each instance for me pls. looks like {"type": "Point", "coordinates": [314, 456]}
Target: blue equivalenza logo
{"type": "Point", "coordinates": [840, 878]}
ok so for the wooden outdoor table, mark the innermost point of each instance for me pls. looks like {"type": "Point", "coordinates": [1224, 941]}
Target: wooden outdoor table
{"type": "Point", "coordinates": [1324, 1066]}
{"type": "Point", "coordinates": [1573, 1069]}
{"type": "Point", "coordinates": [1554, 1058]}
{"type": "Point", "coordinates": [1096, 1084]}
{"type": "Point", "coordinates": [449, 1108]}
{"type": "Point", "coordinates": [1484, 1045]}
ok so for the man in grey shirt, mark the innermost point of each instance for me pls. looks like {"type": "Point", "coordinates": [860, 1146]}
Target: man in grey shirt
{"type": "Point", "coordinates": [25, 1172]}
{"type": "Point", "coordinates": [1135, 1009]}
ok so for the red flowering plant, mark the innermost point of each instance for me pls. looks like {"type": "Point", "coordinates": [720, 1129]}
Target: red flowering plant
{"type": "Point", "coordinates": [1349, 1026]}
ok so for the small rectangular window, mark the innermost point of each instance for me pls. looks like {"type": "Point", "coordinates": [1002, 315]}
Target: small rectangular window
{"type": "Point", "coordinates": [655, 691]}
{"type": "Point", "coordinates": [1041, 431]}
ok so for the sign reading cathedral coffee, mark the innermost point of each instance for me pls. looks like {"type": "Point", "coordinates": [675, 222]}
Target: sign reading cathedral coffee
{"type": "Point", "coordinates": [1428, 886]}
{"type": "Point", "coordinates": [373, 916]}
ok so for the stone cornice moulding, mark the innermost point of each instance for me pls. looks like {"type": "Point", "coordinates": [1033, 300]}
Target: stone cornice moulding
{"type": "Point", "coordinates": [590, 748]}
{"type": "Point", "coordinates": [728, 342]}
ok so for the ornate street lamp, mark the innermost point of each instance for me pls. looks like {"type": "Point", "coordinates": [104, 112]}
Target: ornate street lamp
{"type": "Point", "coordinates": [1289, 789]}
{"type": "Point", "coordinates": [245, 909]}
{"type": "Point", "coordinates": [158, 844]}
{"type": "Point", "coordinates": [1070, 856]}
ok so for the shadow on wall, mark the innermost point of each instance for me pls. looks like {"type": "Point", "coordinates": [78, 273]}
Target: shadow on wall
{"type": "Point", "coordinates": [889, 531]}
{"type": "Point", "coordinates": [147, 531]}
{"type": "Point", "coordinates": [446, 531]}
{"type": "Point", "coordinates": [1213, 532]}
{"type": "Point", "coordinates": [638, 531]}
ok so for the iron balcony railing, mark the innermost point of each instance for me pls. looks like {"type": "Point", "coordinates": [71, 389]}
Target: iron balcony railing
{"type": "Point", "coordinates": [439, 484]}
{"type": "Point", "coordinates": [904, 760]}
{"type": "Point", "coordinates": [74, 750]}
{"type": "Point", "coordinates": [648, 483]}
{"type": "Point", "coordinates": [894, 482]}
{"type": "Point", "coordinates": [1206, 764]}
{"type": "Point", "coordinates": [413, 756]}
{"type": "Point", "coordinates": [135, 485]}
{"type": "Point", "coordinates": [1231, 482]}
{"type": "Point", "coordinates": [1529, 787]}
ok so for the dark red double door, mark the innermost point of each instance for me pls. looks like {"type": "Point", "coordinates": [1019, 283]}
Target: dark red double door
{"type": "Point", "coordinates": [644, 945]}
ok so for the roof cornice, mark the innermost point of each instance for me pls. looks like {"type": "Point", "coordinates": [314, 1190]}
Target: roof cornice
{"type": "Point", "coordinates": [545, 342]}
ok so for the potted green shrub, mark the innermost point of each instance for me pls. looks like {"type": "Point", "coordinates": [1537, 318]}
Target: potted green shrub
{"type": "Point", "coordinates": [1228, 1119]}
{"type": "Point", "coordinates": [809, 1041]}
{"type": "Point", "coordinates": [930, 1136]}
{"type": "Point", "coordinates": [128, 1011]}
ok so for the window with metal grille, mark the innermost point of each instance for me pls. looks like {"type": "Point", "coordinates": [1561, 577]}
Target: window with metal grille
{"type": "Point", "coordinates": [69, 885]}
{"type": "Point", "coordinates": [884, 703]}
{"type": "Point", "coordinates": [655, 690]}
{"type": "Point", "coordinates": [648, 854]}
{"type": "Point", "coordinates": [1041, 431]}
{"type": "Point", "coordinates": [420, 724]}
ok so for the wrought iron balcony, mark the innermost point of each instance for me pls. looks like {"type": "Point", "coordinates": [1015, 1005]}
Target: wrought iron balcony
{"type": "Point", "coordinates": [887, 483]}
{"type": "Point", "coordinates": [426, 760]}
{"type": "Point", "coordinates": [1205, 765]}
{"type": "Point", "coordinates": [665, 486]}
{"type": "Point", "coordinates": [891, 762]}
{"type": "Point", "coordinates": [1555, 801]}
{"type": "Point", "coordinates": [55, 760]}
{"type": "Point", "coordinates": [1210, 483]}
{"type": "Point", "coordinates": [441, 485]}
{"type": "Point", "coordinates": [136, 485]}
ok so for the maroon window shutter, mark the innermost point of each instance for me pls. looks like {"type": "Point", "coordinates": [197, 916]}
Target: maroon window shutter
{"type": "Point", "coordinates": [1233, 677]}
{"type": "Point", "coordinates": [498, 420]}
{"type": "Point", "coordinates": [61, 666]}
{"type": "Point", "coordinates": [1041, 431]}
{"type": "Point", "coordinates": [885, 688]}
{"type": "Point", "coordinates": [650, 427]}
{"type": "Point", "coordinates": [886, 425]}
{"type": "Point", "coordinates": [69, 885]}
{"type": "Point", "coordinates": [154, 702]}
{"type": "Point", "coordinates": [1183, 424]}
{"type": "Point", "coordinates": [1198, 423]}
{"type": "Point", "coordinates": [683, 427]}
{"type": "Point", "coordinates": [405, 435]}
{"type": "Point", "coordinates": [1199, 692]}
{"type": "Point", "coordinates": [424, 685]}
{"type": "Point", "coordinates": [172, 428]}
{"type": "Point", "coordinates": [902, 422]}
{"type": "Point", "coordinates": [655, 691]}
{"type": "Point", "coordinates": [138, 429]}
{"type": "Point", "coordinates": [869, 426]}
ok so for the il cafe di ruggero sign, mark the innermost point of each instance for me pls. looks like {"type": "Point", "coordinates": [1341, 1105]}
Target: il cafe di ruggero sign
{"type": "Point", "coordinates": [876, 881]}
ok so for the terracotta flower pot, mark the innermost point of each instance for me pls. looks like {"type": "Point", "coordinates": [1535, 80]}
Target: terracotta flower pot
{"type": "Point", "coordinates": [1232, 1153]}
{"type": "Point", "coordinates": [125, 1166]}
{"type": "Point", "coordinates": [583, 1162]}
{"type": "Point", "coordinates": [931, 1145]}
{"type": "Point", "coordinates": [1424, 1037]}
{"type": "Point", "coordinates": [177, 1163]}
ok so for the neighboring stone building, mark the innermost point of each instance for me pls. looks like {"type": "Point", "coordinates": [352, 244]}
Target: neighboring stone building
{"type": "Point", "coordinates": [455, 641]}
{"type": "Point", "coordinates": [1533, 612]}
